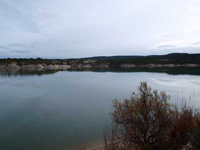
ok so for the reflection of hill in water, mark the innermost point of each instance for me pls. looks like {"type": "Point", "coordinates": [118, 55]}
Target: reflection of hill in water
{"type": "Point", "coordinates": [26, 72]}
{"type": "Point", "coordinates": [172, 71]}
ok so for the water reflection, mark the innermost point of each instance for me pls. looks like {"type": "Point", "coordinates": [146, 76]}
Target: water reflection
{"type": "Point", "coordinates": [168, 70]}
{"type": "Point", "coordinates": [26, 72]}
{"type": "Point", "coordinates": [67, 105]}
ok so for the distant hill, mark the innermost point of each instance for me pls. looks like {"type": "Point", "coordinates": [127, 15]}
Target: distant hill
{"type": "Point", "coordinates": [111, 57]}
{"type": "Point", "coordinates": [173, 58]}
{"type": "Point", "coordinates": [136, 56]}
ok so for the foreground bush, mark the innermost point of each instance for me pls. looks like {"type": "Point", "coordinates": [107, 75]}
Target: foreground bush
{"type": "Point", "coordinates": [147, 121]}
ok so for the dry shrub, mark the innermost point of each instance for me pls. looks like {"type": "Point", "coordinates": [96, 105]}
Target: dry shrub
{"type": "Point", "coordinates": [147, 121]}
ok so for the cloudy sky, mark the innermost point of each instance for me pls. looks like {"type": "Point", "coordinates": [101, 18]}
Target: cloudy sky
{"type": "Point", "coordinates": [82, 28]}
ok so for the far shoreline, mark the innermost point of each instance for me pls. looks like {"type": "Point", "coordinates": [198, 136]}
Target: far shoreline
{"type": "Point", "coordinates": [40, 67]}
{"type": "Point", "coordinates": [103, 62]}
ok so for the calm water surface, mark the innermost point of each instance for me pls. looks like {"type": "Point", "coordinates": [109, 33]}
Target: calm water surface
{"type": "Point", "coordinates": [69, 109]}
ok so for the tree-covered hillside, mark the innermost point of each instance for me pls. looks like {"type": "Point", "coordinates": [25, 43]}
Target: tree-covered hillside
{"type": "Point", "coordinates": [175, 58]}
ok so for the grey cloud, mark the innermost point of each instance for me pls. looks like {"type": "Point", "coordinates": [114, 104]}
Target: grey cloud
{"type": "Point", "coordinates": [3, 47]}
{"type": "Point", "coordinates": [166, 46]}
{"type": "Point", "coordinates": [35, 44]}
{"type": "Point", "coordinates": [20, 45]}
{"type": "Point", "coordinates": [197, 4]}
{"type": "Point", "coordinates": [196, 43]}
{"type": "Point", "coordinates": [61, 51]}
{"type": "Point", "coordinates": [20, 14]}
{"type": "Point", "coordinates": [196, 31]}
{"type": "Point", "coordinates": [17, 45]}
{"type": "Point", "coordinates": [20, 51]}
{"type": "Point", "coordinates": [81, 28]}
{"type": "Point", "coordinates": [171, 35]}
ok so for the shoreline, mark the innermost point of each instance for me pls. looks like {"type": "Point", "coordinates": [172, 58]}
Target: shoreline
{"type": "Point", "coordinates": [40, 67]}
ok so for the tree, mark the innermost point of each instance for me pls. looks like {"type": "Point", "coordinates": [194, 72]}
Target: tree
{"type": "Point", "coordinates": [147, 121]}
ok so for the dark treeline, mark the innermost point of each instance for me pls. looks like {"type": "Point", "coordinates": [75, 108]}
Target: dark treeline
{"type": "Point", "coordinates": [174, 58]}
{"type": "Point", "coordinates": [22, 61]}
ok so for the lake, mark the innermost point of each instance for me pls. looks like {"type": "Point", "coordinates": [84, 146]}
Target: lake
{"type": "Point", "coordinates": [64, 110]}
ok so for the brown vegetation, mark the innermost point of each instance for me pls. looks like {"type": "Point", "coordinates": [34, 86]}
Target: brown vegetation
{"type": "Point", "coordinates": [147, 121]}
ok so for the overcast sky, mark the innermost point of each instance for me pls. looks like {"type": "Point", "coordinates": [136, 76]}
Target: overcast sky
{"type": "Point", "coordinates": [82, 28]}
